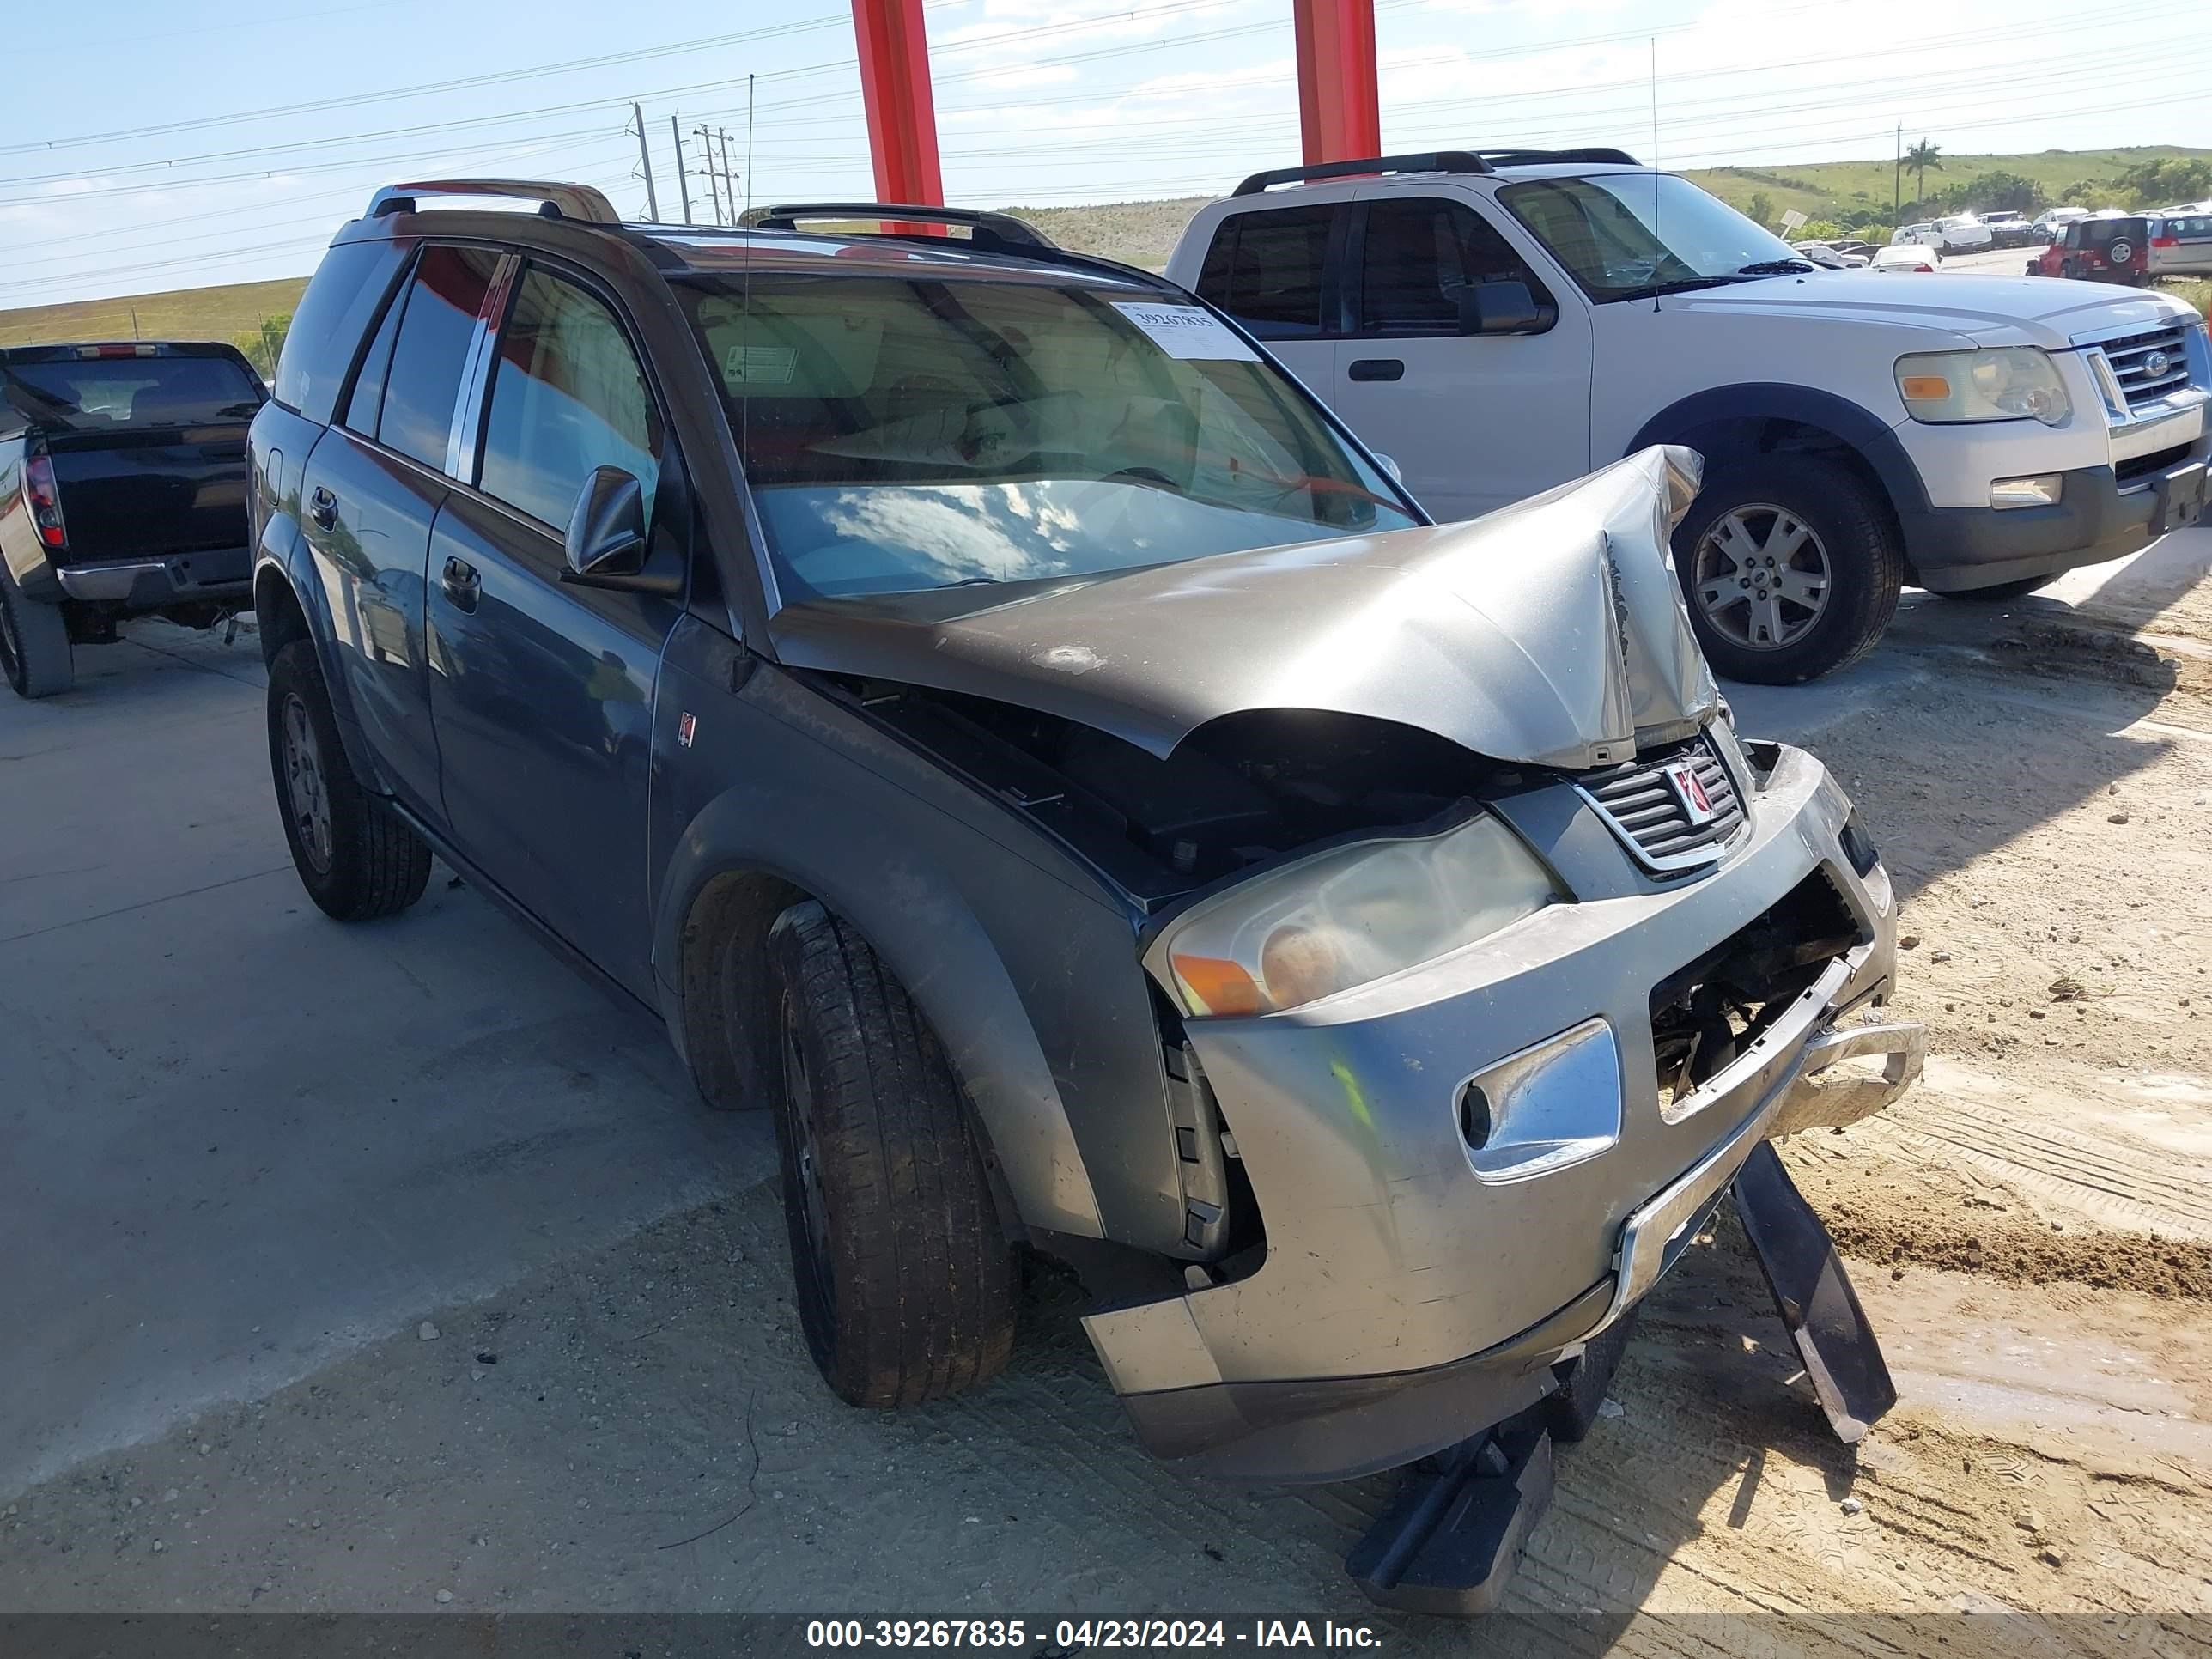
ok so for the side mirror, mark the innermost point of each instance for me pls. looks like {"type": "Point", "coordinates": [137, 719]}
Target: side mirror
{"type": "Point", "coordinates": [1498, 308]}
{"type": "Point", "coordinates": [606, 528]}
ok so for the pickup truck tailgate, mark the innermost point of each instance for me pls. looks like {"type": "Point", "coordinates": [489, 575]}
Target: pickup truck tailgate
{"type": "Point", "coordinates": [144, 492]}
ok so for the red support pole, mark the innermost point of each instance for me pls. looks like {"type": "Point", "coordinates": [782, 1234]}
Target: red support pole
{"type": "Point", "coordinates": [1339, 109]}
{"type": "Point", "coordinates": [902, 114]}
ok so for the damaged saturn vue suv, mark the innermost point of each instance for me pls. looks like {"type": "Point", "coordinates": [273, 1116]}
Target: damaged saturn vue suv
{"type": "Point", "coordinates": [1002, 722]}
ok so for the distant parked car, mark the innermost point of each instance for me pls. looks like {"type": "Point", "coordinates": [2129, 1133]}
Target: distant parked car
{"type": "Point", "coordinates": [1921, 235]}
{"type": "Point", "coordinates": [1963, 233]}
{"type": "Point", "coordinates": [2098, 249]}
{"type": "Point", "coordinates": [2050, 223]}
{"type": "Point", "coordinates": [1853, 245]}
{"type": "Point", "coordinates": [2009, 228]}
{"type": "Point", "coordinates": [1829, 257]}
{"type": "Point", "coordinates": [2181, 244]}
{"type": "Point", "coordinates": [1904, 256]}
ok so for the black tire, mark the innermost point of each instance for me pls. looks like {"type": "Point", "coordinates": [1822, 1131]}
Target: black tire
{"type": "Point", "coordinates": [1852, 536]}
{"type": "Point", "coordinates": [2002, 590]}
{"type": "Point", "coordinates": [35, 643]}
{"type": "Point", "coordinates": [1569, 1413]}
{"type": "Point", "coordinates": [907, 1286]}
{"type": "Point", "coordinates": [357, 859]}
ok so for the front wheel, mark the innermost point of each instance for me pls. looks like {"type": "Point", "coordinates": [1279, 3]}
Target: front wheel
{"type": "Point", "coordinates": [35, 643]}
{"type": "Point", "coordinates": [907, 1286]}
{"type": "Point", "coordinates": [1791, 565]}
{"type": "Point", "coordinates": [355, 858]}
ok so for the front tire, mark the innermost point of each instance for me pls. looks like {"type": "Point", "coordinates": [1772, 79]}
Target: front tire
{"type": "Point", "coordinates": [35, 643]}
{"type": "Point", "coordinates": [355, 858]}
{"type": "Point", "coordinates": [907, 1286]}
{"type": "Point", "coordinates": [1791, 565]}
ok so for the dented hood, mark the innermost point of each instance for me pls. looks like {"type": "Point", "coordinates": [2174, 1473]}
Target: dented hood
{"type": "Point", "coordinates": [1550, 634]}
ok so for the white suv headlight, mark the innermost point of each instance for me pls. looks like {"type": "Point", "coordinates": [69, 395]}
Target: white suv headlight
{"type": "Point", "coordinates": [1346, 916]}
{"type": "Point", "coordinates": [1993, 383]}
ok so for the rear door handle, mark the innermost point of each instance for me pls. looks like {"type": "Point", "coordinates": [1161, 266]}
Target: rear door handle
{"type": "Point", "coordinates": [322, 508]}
{"type": "Point", "coordinates": [462, 584]}
{"type": "Point", "coordinates": [1378, 368]}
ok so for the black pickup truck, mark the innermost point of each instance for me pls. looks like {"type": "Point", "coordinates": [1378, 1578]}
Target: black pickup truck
{"type": "Point", "coordinates": [122, 494]}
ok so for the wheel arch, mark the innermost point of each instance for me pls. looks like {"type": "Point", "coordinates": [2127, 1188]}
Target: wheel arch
{"type": "Point", "coordinates": [287, 606]}
{"type": "Point", "coordinates": [1729, 424]}
{"type": "Point", "coordinates": [723, 891]}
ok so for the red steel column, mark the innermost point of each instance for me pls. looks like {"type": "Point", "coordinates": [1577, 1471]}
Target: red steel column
{"type": "Point", "coordinates": [902, 114]}
{"type": "Point", "coordinates": [1339, 109]}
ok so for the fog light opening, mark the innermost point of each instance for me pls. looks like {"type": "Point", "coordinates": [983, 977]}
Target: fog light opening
{"type": "Point", "coordinates": [2042, 489]}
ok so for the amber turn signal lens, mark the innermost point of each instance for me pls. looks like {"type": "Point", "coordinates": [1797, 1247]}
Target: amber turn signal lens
{"type": "Point", "coordinates": [1223, 986]}
{"type": "Point", "coordinates": [1924, 388]}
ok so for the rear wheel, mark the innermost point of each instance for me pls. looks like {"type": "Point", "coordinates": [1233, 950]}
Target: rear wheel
{"type": "Point", "coordinates": [907, 1286]}
{"type": "Point", "coordinates": [35, 643]}
{"type": "Point", "coordinates": [1791, 566]}
{"type": "Point", "coordinates": [354, 856]}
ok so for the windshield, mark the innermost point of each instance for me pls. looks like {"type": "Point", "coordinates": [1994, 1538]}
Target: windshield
{"type": "Point", "coordinates": [906, 433]}
{"type": "Point", "coordinates": [1630, 235]}
{"type": "Point", "coordinates": [91, 394]}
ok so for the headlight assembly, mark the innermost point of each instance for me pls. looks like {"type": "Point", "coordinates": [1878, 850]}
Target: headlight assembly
{"type": "Point", "coordinates": [1343, 917]}
{"type": "Point", "coordinates": [1994, 383]}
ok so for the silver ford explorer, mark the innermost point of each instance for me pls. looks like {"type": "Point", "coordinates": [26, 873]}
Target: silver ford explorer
{"type": "Point", "coordinates": [1005, 725]}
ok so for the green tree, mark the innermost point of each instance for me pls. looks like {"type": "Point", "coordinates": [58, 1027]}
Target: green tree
{"type": "Point", "coordinates": [1819, 230]}
{"type": "Point", "coordinates": [2162, 180]}
{"type": "Point", "coordinates": [1761, 207]}
{"type": "Point", "coordinates": [1922, 159]}
{"type": "Point", "coordinates": [1987, 191]}
{"type": "Point", "coordinates": [266, 343]}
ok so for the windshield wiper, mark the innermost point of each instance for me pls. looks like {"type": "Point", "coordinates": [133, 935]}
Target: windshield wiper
{"type": "Point", "coordinates": [1776, 268]}
{"type": "Point", "coordinates": [1679, 285]}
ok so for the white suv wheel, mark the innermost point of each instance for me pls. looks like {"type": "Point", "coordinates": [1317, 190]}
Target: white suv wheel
{"type": "Point", "coordinates": [1761, 577]}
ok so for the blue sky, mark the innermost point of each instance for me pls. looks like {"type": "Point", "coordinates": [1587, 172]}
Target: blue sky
{"type": "Point", "coordinates": [155, 146]}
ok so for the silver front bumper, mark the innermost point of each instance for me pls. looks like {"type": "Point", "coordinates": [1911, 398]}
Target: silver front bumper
{"type": "Point", "coordinates": [1786, 1066]}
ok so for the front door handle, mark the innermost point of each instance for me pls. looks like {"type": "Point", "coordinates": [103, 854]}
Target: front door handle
{"type": "Point", "coordinates": [462, 584]}
{"type": "Point", "coordinates": [1378, 368]}
{"type": "Point", "coordinates": [322, 508]}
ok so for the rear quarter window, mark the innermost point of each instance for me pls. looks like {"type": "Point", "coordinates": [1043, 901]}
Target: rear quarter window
{"type": "Point", "coordinates": [337, 309]}
{"type": "Point", "coordinates": [1265, 268]}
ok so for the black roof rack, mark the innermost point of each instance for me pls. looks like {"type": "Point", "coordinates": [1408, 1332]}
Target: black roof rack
{"type": "Point", "coordinates": [987, 229]}
{"type": "Point", "coordinates": [1433, 160]}
{"type": "Point", "coordinates": [1529, 158]}
{"type": "Point", "coordinates": [554, 201]}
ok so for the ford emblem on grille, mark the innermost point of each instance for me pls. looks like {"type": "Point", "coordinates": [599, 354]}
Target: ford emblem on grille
{"type": "Point", "coordinates": [1697, 806]}
{"type": "Point", "coordinates": [2156, 364]}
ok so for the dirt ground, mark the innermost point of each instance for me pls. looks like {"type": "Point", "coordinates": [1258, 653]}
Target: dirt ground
{"type": "Point", "coordinates": [639, 1428]}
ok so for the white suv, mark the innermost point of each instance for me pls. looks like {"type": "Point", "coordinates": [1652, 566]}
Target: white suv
{"type": "Point", "coordinates": [1501, 323]}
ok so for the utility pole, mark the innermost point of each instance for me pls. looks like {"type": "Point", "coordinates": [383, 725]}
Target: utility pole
{"type": "Point", "coordinates": [645, 160]}
{"type": "Point", "coordinates": [1897, 180]}
{"type": "Point", "coordinates": [682, 179]}
{"type": "Point", "coordinates": [729, 185]}
{"type": "Point", "coordinates": [706, 148]}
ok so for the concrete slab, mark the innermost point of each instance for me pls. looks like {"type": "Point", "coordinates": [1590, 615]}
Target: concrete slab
{"type": "Point", "coordinates": [242, 1138]}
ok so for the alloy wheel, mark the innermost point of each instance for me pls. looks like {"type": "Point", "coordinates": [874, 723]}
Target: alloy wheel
{"type": "Point", "coordinates": [305, 787]}
{"type": "Point", "coordinates": [1761, 577]}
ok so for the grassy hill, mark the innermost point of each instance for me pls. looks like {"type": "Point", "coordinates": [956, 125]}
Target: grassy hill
{"type": "Point", "coordinates": [1141, 233]}
{"type": "Point", "coordinates": [232, 312]}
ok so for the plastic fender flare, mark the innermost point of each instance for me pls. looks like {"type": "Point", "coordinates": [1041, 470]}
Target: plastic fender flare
{"type": "Point", "coordinates": [916, 920]}
{"type": "Point", "coordinates": [1873, 440]}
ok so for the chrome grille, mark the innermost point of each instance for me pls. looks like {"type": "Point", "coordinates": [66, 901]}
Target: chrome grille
{"type": "Point", "coordinates": [2133, 358]}
{"type": "Point", "coordinates": [1642, 805]}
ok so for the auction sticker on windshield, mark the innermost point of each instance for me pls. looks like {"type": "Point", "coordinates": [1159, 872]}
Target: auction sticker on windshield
{"type": "Point", "coordinates": [1187, 331]}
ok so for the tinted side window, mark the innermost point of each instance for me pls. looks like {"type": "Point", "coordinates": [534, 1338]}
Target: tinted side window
{"type": "Point", "coordinates": [326, 328]}
{"type": "Point", "coordinates": [1265, 270]}
{"type": "Point", "coordinates": [567, 397]}
{"type": "Point", "coordinates": [432, 350]}
{"type": "Point", "coordinates": [1419, 252]}
{"type": "Point", "coordinates": [368, 395]}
